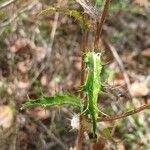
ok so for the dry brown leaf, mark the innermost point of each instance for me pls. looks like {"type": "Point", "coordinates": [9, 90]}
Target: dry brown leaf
{"type": "Point", "coordinates": [144, 3]}
{"type": "Point", "coordinates": [139, 89]}
{"type": "Point", "coordinates": [11, 88]}
{"type": "Point", "coordinates": [117, 79]}
{"type": "Point", "coordinates": [120, 146]}
{"type": "Point", "coordinates": [39, 113]}
{"type": "Point", "coordinates": [146, 53]}
{"type": "Point", "coordinates": [24, 66]}
{"type": "Point", "coordinates": [40, 53]}
{"type": "Point", "coordinates": [13, 49]}
{"type": "Point", "coordinates": [21, 43]}
{"type": "Point", "coordinates": [44, 80]}
{"type": "Point", "coordinates": [6, 116]}
{"type": "Point", "coordinates": [99, 145]}
{"type": "Point", "coordinates": [23, 85]}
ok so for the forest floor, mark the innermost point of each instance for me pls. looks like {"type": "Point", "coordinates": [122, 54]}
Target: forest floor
{"type": "Point", "coordinates": [41, 56]}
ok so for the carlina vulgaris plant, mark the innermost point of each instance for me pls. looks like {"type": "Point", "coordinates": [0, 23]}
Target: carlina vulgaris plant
{"type": "Point", "coordinates": [91, 87]}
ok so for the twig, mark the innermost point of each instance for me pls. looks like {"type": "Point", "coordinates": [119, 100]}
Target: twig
{"type": "Point", "coordinates": [3, 24]}
{"type": "Point", "coordinates": [83, 49]}
{"type": "Point", "coordinates": [50, 46]}
{"type": "Point", "coordinates": [81, 131]}
{"type": "Point", "coordinates": [52, 136]}
{"type": "Point", "coordinates": [5, 4]}
{"type": "Point", "coordinates": [13, 141]}
{"type": "Point", "coordinates": [123, 115]}
{"type": "Point", "coordinates": [120, 63]}
{"type": "Point", "coordinates": [100, 24]}
{"type": "Point", "coordinates": [52, 35]}
{"type": "Point", "coordinates": [78, 145]}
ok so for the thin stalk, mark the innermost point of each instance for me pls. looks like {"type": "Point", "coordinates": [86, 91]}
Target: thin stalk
{"type": "Point", "coordinates": [79, 139]}
{"type": "Point", "coordinates": [100, 24]}
{"type": "Point", "coordinates": [83, 50]}
{"type": "Point", "coordinates": [80, 136]}
{"type": "Point", "coordinates": [123, 115]}
{"type": "Point", "coordinates": [78, 145]}
{"type": "Point", "coordinates": [7, 3]}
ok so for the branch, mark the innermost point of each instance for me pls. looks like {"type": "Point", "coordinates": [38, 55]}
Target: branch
{"type": "Point", "coordinates": [7, 3]}
{"type": "Point", "coordinates": [123, 115]}
{"type": "Point", "coordinates": [79, 140]}
{"type": "Point", "coordinates": [100, 24]}
{"type": "Point", "coordinates": [83, 50]}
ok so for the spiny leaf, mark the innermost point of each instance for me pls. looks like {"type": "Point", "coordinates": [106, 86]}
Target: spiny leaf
{"type": "Point", "coordinates": [92, 86]}
{"type": "Point", "coordinates": [73, 13]}
{"type": "Point", "coordinates": [56, 100]}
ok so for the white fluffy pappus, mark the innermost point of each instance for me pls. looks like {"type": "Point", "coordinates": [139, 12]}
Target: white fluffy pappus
{"type": "Point", "coordinates": [75, 121]}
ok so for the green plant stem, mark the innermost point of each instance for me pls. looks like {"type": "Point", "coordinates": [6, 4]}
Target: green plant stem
{"type": "Point", "coordinates": [100, 24]}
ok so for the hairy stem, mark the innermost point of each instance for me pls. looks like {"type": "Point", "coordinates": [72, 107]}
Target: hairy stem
{"type": "Point", "coordinates": [123, 115]}
{"type": "Point", "coordinates": [80, 137]}
{"type": "Point", "coordinates": [100, 24]}
{"type": "Point", "coordinates": [83, 49]}
{"type": "Point", "coordinates": [78, 145]}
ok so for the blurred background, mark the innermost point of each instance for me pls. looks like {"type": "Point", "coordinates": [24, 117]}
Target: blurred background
{"type": "Point", "coordinates": [41, 56]}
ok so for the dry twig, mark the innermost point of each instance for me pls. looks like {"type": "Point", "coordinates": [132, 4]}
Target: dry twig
{"type": "Point", "coordinates": [120, 63]}
{"type": "Point", "coordinates": [7, 3]}
{"type": "Point", "coordinates": [123, 115]}
{"type": "Point", "coordinates": [100, 24]}
{"type": "Point", "coordinates": [50, 46]}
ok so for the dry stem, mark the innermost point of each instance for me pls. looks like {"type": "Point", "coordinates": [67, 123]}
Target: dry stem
{"type": "Point", "coordinates": [123, 115]}
{"type": "Point", "coordinates": [122, 68]}
{"type": "Point", "coordinates": [7, 3]}
{"type": "Point", "coordinates": [78, 145]}
{"type": "Point", "coordinates": [83, 49]}
{"type": "Point", "coordinates": [100, 24]}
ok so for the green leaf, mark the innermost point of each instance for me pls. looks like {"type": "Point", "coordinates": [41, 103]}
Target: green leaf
{"type": "Point", "coordinates": [92, 85]}
{"type": "Point", "coordinates": [107, 133]}
{"type": "Point", "coordinates": [56, 100]}
{"type": "Point", "coordinates": [73, 13]}
{"type": "Point", "coordinates": [99, 2]}
{"type": "Point", "coordinates": [106, 74]}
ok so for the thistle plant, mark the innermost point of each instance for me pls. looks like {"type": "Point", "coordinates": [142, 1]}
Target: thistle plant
{"type": "Point", "coordinates": [92, 86]}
